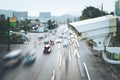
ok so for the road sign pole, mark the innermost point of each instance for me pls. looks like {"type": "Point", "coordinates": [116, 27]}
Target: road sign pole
{"type": "Point", "coordinates": [8, 35]}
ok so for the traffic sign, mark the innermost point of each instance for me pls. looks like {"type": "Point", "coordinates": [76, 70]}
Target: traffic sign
{"type": "Point", "coordinates": [12, 22]}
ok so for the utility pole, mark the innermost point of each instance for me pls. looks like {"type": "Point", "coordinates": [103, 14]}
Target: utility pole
{"type": "Point", "coordinates": [8, 35]}
{"type": "Point", "coordinates": [102, 9]}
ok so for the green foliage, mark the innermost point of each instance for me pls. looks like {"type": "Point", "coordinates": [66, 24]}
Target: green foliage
{"type": "Point", "coordinates": [51, 24]}
{"type": "Point", "coordinates": [3, 30]}
{"type": "Point", "coordinates": [16, 38]}
{"type": "Point", "coordinates": [91, 12]}
{"type": "Point", "coordinates": [24, 25]}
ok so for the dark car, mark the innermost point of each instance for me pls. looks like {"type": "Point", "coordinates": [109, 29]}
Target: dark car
{"type": "Point", "coordinates": [47, 49]}
{"type": "Point", "coordinates": [12, 59]}
{"type": "Point", "coordinates": [30, 57]}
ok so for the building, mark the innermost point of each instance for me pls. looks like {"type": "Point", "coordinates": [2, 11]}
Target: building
{"type": "Point", "coordinates": [2, 16]}
{"type": "Point", "coordinates": [44, 16]}
{"type": "Point", "coordinates": [10, 13]}
{"type": "Point", "coordinates": [117, 8]}
{"type": "Point", "coordinates": [7, 13]}
{"type": "Point", "coordinates": [20, 15]}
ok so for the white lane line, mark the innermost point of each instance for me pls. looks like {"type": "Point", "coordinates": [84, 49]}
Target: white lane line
{"type": "Point", "coordinates": [77, 54]}
{"type": "Point", "coordinates": [87, 71]}
{"type": "Point", "coordinates": [59, 45]}
{"type": "Point", "coordinates": [60, 60]}
{"type": "Point", "coordinates": [53, 75]}
{"type": "Point", "coordinates": [75, 50]}
{"type": "Point", "coordinates": [77, 43]}
{"type": "Point", "coordinates": [69, 56]}
{"type": "Point", "coordinates": [81, 68]}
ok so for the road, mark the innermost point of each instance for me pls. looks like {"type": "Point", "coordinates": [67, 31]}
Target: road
{"type": "Point", "coordinates": [75, 62]}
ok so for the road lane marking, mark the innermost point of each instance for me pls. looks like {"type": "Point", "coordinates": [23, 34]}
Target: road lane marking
{"type": "Point", "coordinates": [81, 68]}
{"type": "Point", "coordinates": [77, 54]}
{"type": "Point", "coordinates": [69, 56]}
{"type": "Point", "coordinates": [60, 60]}
{"type": "Point", "coordinates": [77, 43]}
{"type": "Point", "coordinates": [59, 45]}
{"type": "Point", "coordinates": [87, 71]}
{"type": "Point", "coordinates": [53, 75]}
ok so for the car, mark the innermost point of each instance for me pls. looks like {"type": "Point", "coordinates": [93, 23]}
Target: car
{"type": "Point", "coordinates": [10, 60]}
{"type": "Point", "coordinates": [40, 37]}
{"type": "Point", "coordinates": [58, 40]}
{"type": "Point", "coordinates": [12, 55]}
{"type": "Point", "coordinates": [46, 41]}
{"type": "Point", "coordinates": [47, 49]}
{"type": "Point", "coordinates": [65, 43]}
{"type": "Point", "coordinates": [29, 59]}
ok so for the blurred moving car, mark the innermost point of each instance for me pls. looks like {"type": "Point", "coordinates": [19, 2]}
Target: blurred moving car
{"type": "Point", "coordinates": [46, 41]}
{"type": "Point", "coordinates": [58, 40]}
{"type": "Point", "coordinates": [10, 60]}
{"type": "Point", "coordinates": [40, 37]}
{"type": "Point", "coordinates": [12, 55]}
{"type": "Point", "coordinates": [65, 43]}
{"type": "Point", "coordinates": [47, 49]}
{"type": "Point", "coordinates": [29, 57]}
{"type": "Point", "coordinates": [13, 58]}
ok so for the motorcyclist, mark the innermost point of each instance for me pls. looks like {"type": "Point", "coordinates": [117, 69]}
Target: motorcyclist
{"type": "Point", "coordinates": [51, 42]}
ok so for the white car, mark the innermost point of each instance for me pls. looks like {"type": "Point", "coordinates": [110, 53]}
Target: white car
{"type": "Point", "coordinates": [58, 40]}
{"type": "Point", "coordinates": [65, 43]}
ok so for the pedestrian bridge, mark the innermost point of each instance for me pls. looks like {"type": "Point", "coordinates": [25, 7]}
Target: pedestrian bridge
{"type": "Point", "coordinates": [99, 30]}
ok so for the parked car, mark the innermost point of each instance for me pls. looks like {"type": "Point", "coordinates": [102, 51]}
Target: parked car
{"type": "Point", "coordinates": [47, 49]}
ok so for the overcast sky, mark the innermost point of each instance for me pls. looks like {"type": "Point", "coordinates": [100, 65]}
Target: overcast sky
{"type": "Point", "coordinates": [56, 7]}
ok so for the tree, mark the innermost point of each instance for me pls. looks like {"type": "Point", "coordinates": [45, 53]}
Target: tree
{"type": "Point", "coordinates": [3, 29]}
{"type": "Point", "coordinates": [24, 24]}
{"type": "Point", "coordinates": [51, 24]}
{"type": "Point", "coordinates": [112, 13]}
{"type": "Point", "coordinates": [91, 12]}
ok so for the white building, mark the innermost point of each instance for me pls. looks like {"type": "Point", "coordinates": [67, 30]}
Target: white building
{"type": "Point", "coordinates": [44, 16]}
{"type": "Point", "coordinates": [7, 13]}
{"type": "Point", "coordinates": [20, 15]}
{"type": "Point", "coordinates": [11, 13]}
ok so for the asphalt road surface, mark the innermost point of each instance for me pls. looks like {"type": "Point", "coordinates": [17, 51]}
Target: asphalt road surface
{"type": "Point", "coordinates": [75, 62]}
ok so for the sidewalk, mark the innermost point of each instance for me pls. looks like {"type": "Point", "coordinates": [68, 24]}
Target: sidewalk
{"type": "Point", "coordinates": [114, 70]}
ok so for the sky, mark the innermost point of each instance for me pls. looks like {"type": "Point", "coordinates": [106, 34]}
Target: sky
{"type": "Point", "coordinates": [56, 7]}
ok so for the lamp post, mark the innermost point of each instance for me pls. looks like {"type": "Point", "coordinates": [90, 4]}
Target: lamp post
{"type": "Point", "coordinates": [8, 35]}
